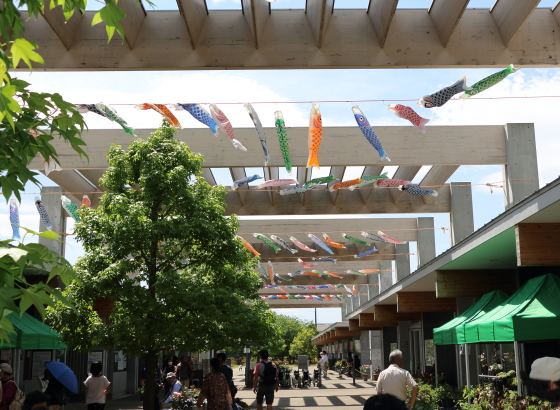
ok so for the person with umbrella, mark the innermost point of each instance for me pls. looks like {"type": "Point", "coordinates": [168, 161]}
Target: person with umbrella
{"type": "Point", "coordinates": [61, 380]}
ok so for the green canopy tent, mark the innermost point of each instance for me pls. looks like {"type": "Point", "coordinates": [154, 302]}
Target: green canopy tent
{"type": "Point", "coordinates": [32, 334]}
{"type": "Point", "coordinates": [530, 314]}
{"type": "Point", "coordinates": [453, 332]}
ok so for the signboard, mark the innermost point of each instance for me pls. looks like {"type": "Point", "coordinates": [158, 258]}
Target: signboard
{"type": "Point", "coordinates": [302, 361]}
{"type": "Point", "coordinates": [39, 360]}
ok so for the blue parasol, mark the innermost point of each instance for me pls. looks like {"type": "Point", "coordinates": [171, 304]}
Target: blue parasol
{"type": "Point", "coordinates": [64, 375]}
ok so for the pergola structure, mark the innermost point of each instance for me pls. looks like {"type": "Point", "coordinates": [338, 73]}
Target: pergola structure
{"type": "Point", "coordinates": [381, 36]}
{"type": "Point", "coordinates": [445, 148]}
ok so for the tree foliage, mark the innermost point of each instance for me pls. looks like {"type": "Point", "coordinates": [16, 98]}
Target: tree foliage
{"type": "Point", "coordinates": [289, 327]}
{"type": "Point", "coordinates": [159, 221]}
{"type": "Point", "coordinates": [302, 343]}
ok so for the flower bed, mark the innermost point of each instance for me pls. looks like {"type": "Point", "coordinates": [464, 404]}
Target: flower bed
{"type": "Point", "coordinates": [185, 400]}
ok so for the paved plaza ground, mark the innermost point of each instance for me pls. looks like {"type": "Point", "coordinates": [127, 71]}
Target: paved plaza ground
{"type": "Point", "coordinates": [335, 392]}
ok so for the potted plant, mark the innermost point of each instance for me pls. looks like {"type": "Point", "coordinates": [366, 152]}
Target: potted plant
{"type": "Point", "coordinates": [365, 370]}
{"type": "Point", "coordinates": [140, 391]}
{"type": "Point", "coordinates": [446, 395]}
{"type": "Point", "coordinates": [376, 373]}
{"type": "Point", "coordinates": [185, 400]}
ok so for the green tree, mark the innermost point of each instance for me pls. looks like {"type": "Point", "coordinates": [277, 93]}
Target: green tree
{"type": "Point", "coordinates": [302, 343]}
{"type": "Point", "coordinates": [289, 327]}
{"type": "Point", "coordinates": [159, 221]}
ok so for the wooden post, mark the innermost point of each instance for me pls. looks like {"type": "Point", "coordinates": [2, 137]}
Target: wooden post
{"type": "Point", "coordinates": [520, 173]}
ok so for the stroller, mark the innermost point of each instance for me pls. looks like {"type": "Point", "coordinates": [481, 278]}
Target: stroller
{"type": "Point", "coordinates": [316, 379]}
{"type": "Point", "coordinates": [306, 380]}
{"type": "Point", "coordinates": [296, 380]}
{"type": "Point", "coordinates": [285, 379]}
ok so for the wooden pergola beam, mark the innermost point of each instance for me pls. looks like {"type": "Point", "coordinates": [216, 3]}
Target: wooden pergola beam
{"type": "Point", "coordinates": [208, 176]}
{"type": "Point", "coordinates": [407, 228]}
{"type": "Point", "coordinates": [437, 176]}
{"type": "Point", "coordinates": [75, 186]}
{"type": "Point", "coordinates": [64, 30]}
{"type": "Point", "coordinates": [446, 15]}
{"type": "Point", "coordinates": [195, 13]}
{"type": "Point", "coordinates": [405, 173]}
{"type": "Point", "coordinates": [301, 304]}
{"type": "Point", "coordinates": [474, 283]}
{"type": "Point", "coordinates": [381, 14]}
{"type": "Point", "coordinates": [341, 146]}
{"type": "Point", "coordinates": [305, 280]}
{"type": "Point", "coordinates": [346, 332]}
{"type": "Point", "coordinates": [385, 251]}
{"type": "Point", "coordinates": [408, 302]}
{"type": "Point", "coordinates": [511, 15]}
{"type": "Point", "coordinates": [368, 320]}
{"type": "Point", "coordinates": [226, 42]}
{"type": "Point", "coordinates": [93, 176]}
{"type": "Point", "coordinates": [318, 201]}
{"type": "Point", "coordinates": [256, 14]}
{"type": "Point", "coordinates": [388, 313]}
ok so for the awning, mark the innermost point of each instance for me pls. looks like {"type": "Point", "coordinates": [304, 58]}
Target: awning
{"type": "Point", "coordinates": [530, 314]}
{"type": "Point", "coordinates": [453, 332]}
{"type": "Point", "coordinates": [32, 334]}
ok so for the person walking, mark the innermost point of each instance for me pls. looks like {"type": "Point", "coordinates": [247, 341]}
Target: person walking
{"type": "Point", "coordinates": [325, 362]}
{"type": "Point", "coordinates": [174, 387]}
{"type": "Point", "coordinates": [266, 378]}
{"type": "Point", "coordinates": [227, 371]}
{"type": "Point", "coordinates": [215, 389]}
{"type": "Point", "coordinates": [357, 365]}
{"type": "Point", "coordinates": [394, 379]}
{"type": "Point", "coordinates": [9, 388]}
{"type": "Point", "coordinates": [96, 387]}
{"type": "Point", "coordinates": [544, 379]}
{"type": "Point", "coordinates": [184, 371]}
{"type": "Point", "coordinates": [55, 390]}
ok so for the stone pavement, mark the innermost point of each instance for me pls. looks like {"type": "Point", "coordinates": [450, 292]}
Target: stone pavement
{"type": "Point", "coordinates": [336, 392]}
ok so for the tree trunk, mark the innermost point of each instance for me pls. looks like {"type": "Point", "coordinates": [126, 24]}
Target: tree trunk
{"type": "Point", "coordinates": [149, 382]}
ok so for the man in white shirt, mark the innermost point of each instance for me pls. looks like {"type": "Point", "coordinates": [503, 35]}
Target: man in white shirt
{"type": "Point", "coordinates": [325, 362]}
{"type": "Point", "coordinates": [394, 379]}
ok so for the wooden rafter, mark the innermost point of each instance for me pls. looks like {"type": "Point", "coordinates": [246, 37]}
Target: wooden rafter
{"type": "Point", "coordinates": [365, 192]}
{"type": "Point", "coordinates": [65, 30]}
{"type": "Point", "coordinates": [302, 303]}
{"type": "Point", "coordinates": [405, 173]}
{"type": "Point", "coordinates": [319, 13]}
{"type": "Point", "coordinates": [256, 14]}
{"type": "Point", "coordinates": [437, 176]}
{"type": "Point", "coordinates": [208, 176]}
{"type": "Point", "coordinates": [195, 13]}
{"type": "Point", "coordinates": [93, 176]}
{"type": "Point", "coordinates": [132, 24]}
{"type": "Point", "coordinates": [74, 185]}
{"type": "Point", "coordinates": [511, 15]}
{"type": "Point", "coordinates": [381, 14]}
{"type": "Point", "coordinates": [446, 15]}
{"type": "Point", "coordinates": [408, 302]}
{"type": "Point", "coordinates": [238, 173]}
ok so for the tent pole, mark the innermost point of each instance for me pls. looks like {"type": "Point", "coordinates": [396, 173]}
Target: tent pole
{"type": "Point", "coordinates": [467, 367]}
{"type": "Point", "coordinates": [517, 351]}
{"type": "Point", "coordinates": [435, 365]}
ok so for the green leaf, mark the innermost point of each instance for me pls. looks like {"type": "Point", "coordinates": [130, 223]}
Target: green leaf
{"type": "Point", "coordinates": [23, 50]}
{"type": "Point", "coordinates": [49, 235]}
{"type": "Point", "coordinates": [38, 299]}
{"type": "Point", "coordinates": [111, 14]}
{"type": "Point", "coordinates": [14, 253]}
{"type": "Point", "coordinates": [7, 104]}
{"type": "Point", "coordinates": [7, 296]}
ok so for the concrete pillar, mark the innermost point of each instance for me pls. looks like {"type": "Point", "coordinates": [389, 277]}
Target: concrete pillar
{"type": "Point", "coordinates": [385, 275]}
{"type": "Point", "coordinates": [402, 261]}
{"type": "Point", "coordinates": [403, 341]}
{"type": "Point", "coordinates": [131, 375]}
{"type": "Point", "coordinates": [461, 217]}
{"type": "Point", "coordinates": [57, 216]}
{"type": "Point", "coordinates": [376, 343]}
{"type": "Point", "coordinates": [520, 173]}
{"type": "Point", "coordinates": [373, 285]}
{"type": "Point", "coordinates": [426, 245]}
{"type": "Point", "coordinates": [365, 354]}
{"type": "Point", "coordinates": [363, 294]}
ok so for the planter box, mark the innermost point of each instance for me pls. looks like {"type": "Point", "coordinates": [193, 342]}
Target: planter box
{"type": "Point", "coordinates": [375, 377]}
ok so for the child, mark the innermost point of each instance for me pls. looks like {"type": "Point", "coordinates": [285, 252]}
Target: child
{"type": "Point", "coordinates": [96, 387]}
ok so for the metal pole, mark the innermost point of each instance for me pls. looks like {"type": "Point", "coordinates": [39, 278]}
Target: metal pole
{"type": "Point", "coordinates": [435, 364]}
{"type": "Point", "coordinates": [467, 366]}
{"type": "Point", "coordinates": [248, 380]}
{"type": "Point", "coordinates": [315, 318]}
{"type": "Point", "coordinates": [518, 369]}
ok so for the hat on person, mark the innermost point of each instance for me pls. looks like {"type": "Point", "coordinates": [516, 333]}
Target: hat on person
{"type": "Point", "coordinates": [6, 368]}
{"type": "Point", "coordinates": [169, 375]}
{"type": "Point", "coordinates": [545, 368]}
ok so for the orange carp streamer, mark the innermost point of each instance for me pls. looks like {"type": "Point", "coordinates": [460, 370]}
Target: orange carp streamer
{"type": "Point", "coordinates": [346, 184]}
{"type": "Point", "coordinates": [162, 110]}
{"type": "Point", "coordinates": [333, 244]}
{"type": "Point", "coordinates": [315, 136]}
{"type": "Point", "coordinates": [248, 246]}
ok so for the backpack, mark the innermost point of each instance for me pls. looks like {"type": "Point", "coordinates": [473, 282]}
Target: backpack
{"type": "Point", "coordinates": [19, 398]}
{"type": "Point", "coordinates": [269, 374]}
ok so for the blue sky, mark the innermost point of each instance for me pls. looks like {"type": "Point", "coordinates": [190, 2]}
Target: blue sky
{"type": "Point", "coordinates": [316, 85]}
